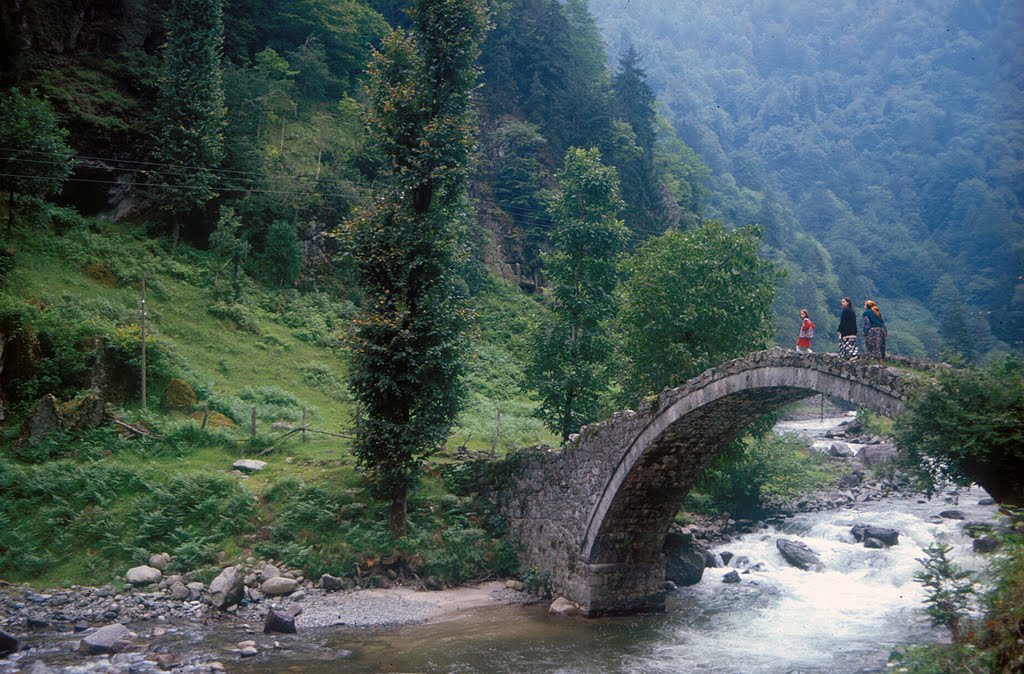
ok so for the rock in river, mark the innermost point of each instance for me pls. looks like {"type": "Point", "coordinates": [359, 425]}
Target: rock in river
{"type": "Point", "coordinates": [798, 554]}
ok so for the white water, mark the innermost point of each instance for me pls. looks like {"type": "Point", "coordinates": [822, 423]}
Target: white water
{"type": "Point", "coordinates": [845, 619]}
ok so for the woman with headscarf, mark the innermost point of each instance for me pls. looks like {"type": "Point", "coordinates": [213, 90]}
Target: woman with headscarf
{"type": "Point", "coordinates": [874, 331]}
{"type": "Point", "coordinates": [847, 331]}
{"type": "Point", "coordinates": [803, 342]}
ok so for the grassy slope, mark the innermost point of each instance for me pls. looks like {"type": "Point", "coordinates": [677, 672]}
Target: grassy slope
{"type": "Point", "coordinates": [90, 276]}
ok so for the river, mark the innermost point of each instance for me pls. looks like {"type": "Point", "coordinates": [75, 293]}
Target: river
{"type": "Point", "coordinates": [844, 619]}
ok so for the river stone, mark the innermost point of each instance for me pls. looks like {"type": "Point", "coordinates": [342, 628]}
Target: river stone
{"type": "Point", "coordinates": [159, 561]}
{"type": "Point", "coordinates": [278, 586]}
{"type": "Point", "coordinates": [227, 588]}
{"type": "Point", "coordinates": [987, 501]}
{"type": "Point", "coordinates": [883, 534]}
{"type": "Point", "coordinates": [840, 449]}
{"type": "Point", "coordinates": [332, 583]}
{"type": "Point", "coordinates": [562, 606]}
{"type": "Point", "coordinates": [877, 455]}
{"type": "Point", "coordinates": [986, 544]}
{"type": "Point", "coordinates": [143, 575]}
{"type": "Point", "coordinates": [8, 644]}
{"type": "Point", "coordinates": [107, 639]}
{"type": "Point", "coordinates": [249, 465]}
{"type": "Point", "coordinates": [279, 621]}
{"type": "Point", "coordinates": [731, 577]}
{"type": "Point", "coordinates": [180, 592]}
{"type": "Point", "coordinates": [269, 571]}
{"type": "Point", "coordinates": [798, 554]}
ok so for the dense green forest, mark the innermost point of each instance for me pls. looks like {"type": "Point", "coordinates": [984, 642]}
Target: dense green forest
{"type": "Point", "coordinates": [878, 143]}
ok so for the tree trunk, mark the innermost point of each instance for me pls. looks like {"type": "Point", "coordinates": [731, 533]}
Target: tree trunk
{"type": "Point", "coordinates": [10, 212]}
{"type": "Point", "coordinates": [175, 231]}
{"type": "Point", "coordinates": [397, 521]}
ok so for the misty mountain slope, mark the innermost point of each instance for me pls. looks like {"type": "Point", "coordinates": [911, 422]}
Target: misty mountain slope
{"type": "Point", "coordinates": [890, 133]}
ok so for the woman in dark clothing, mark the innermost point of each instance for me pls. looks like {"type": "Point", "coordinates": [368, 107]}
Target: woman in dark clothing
{"type": "Point", "coordinates": [847, 331]}
{"type": "Point", "coordinates": [875, 333]}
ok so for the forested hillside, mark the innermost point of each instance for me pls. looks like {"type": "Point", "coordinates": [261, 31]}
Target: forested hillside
{"type": "Point", "coordinates": [888, 133]}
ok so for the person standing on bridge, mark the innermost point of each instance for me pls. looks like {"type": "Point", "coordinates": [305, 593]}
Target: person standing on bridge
{"type": "Point", "coordinates": [875, 333]}
{"type": "Point", "coordinates": [803, 342]}
{"type": "Point", "coordinates": [847, 331]}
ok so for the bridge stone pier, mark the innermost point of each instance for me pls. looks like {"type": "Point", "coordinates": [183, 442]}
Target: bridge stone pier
{"type": "Point", "coordinates": [592, 516]}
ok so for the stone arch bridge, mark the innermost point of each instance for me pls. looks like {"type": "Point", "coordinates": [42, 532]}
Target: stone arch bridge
{"type": "Point", "coordinates": [593, 515]}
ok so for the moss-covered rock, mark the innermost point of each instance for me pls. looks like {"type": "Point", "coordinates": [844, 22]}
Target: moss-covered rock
{"type": "Point", "coordinates": [215, 420]}
{"type": "Point", "coordinates": [179, 396]}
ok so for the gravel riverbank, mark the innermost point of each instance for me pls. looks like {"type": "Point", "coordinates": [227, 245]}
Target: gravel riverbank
{"type": "Point", "coordinates": [84, 630]}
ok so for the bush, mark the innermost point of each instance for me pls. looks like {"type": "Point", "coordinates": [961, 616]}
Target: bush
{"type": "Point", "coordinates": [243, 317]}
{"type": "Point", "coordinates": [756, 474]}
{"type": "Point", "coordinates": [967, 426]}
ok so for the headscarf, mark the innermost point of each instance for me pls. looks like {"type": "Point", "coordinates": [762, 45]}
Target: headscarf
{"type": "Point", "coordinates": [874, 308]}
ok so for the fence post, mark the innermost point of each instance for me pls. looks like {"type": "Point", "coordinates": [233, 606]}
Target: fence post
{"type": "Point", "coordinates": [497, 432]}
{"type": "Point", "coordinates": [206, 416]}
{"type": "Point", "coordinates": [254, 423]}
{"type": "Point", "coordinates": [304, 424]}
{"type": "Point", "coordinates": [142, 327]}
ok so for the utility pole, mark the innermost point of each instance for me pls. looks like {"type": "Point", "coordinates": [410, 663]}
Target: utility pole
{"type": "Point", "coordinates": [143, 326]}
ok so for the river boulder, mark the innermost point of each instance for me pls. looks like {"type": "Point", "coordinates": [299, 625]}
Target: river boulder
{"type": "Point", "coordinates": [279, 621]}
{"type": "Point", "coordinates": [878, 455]}
{"type": "Point", "coordinates": [798, 554]}
{"type": "Point", "coordinates": [143, 575]}
{"type": "Point", "coordinates": [841, 450]}
{"type": "Point", "coordinates": [562, 606]}
{"type": "Point", "coordinates": [684, 559]}
{"type": "Point", "coordinates": [107, 639]}
{"type": "Point", "coordinates": [885, 535]}
{"type": "Point", "coordinates": [228, 588]}
{"type": "Point", "coordinates": [278, 585]}
{"type": "Point", "coordinates": [8, 644]}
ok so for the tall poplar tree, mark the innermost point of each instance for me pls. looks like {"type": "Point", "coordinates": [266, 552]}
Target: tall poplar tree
{"type": "Point", "coordinates": [570, 366]}
{"type": "Point", "coordinates": [190, 109]}
{"type": "Point", "coordinates": [408, 346]}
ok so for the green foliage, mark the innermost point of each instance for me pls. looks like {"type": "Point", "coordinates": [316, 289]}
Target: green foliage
{"type": "Point", "coordinates": [230, 243]}
{"type": "Point", "coordinates": [190, 108]}
{"type": "Point", "coordinates": [755, 474]}
{"type": "Point", "coordinates": [570, 365]}
{"type": "Point", "coordinates": [242, 316]}
{"type": "Point", "coordinates": [692, 300]}
{"type": "Point", "coordinates": [949, 588]}
{"type": "Point", "coordinates": [967, 425]}
{"type": "Point", "coordinates": [112, 516]}
{"type": "Point", "coordinates": [408, 349]}
{"type": "Point", "coordinates": [36, 158]}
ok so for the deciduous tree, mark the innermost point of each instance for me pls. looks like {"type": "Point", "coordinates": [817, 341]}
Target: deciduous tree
{"type": "Point", "coordinates": [190, 110]}
{"type": "Point", "coordinates": [34, 154]}
{"type": "Point", "coordinates": [408, 346]}
{"type": "Point", "coordinates": [570, 366]}
{"type": "Point", "coordinates": [691, 301]}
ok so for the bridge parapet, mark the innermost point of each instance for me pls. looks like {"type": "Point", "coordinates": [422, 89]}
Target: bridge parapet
{"type": "Point", "coordinates": [592, 516]}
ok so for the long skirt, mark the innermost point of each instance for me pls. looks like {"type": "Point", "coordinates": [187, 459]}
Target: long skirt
{"type": "Point", "coordinates": [848, 347]}
{"type": "Point", "coordinates": [875, 342]}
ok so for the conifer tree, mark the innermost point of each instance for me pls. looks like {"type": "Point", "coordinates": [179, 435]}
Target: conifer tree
{"type": "Point", "coordinates": [408, 346]}
{"type": "Point", "coordinates": [190, 109]}
{"type": "Point", "coordinates": [573, 349]}
{"type": "Point", "coordinates": [641, 189]}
